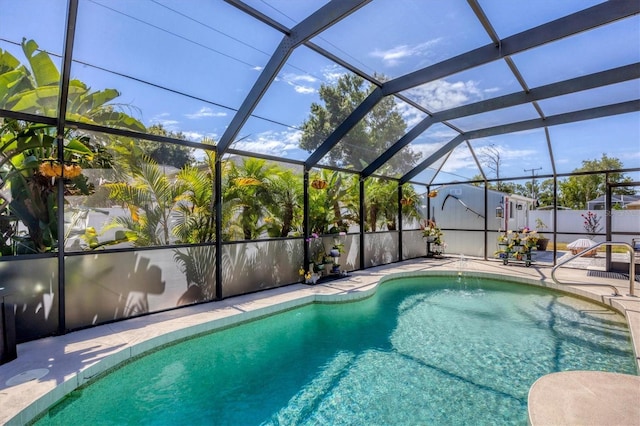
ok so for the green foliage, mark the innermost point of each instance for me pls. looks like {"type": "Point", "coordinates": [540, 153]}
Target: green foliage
{"type": "Point", "coordinates": [195, 222]}
{"type": "Point", "coordinates": [381, 201]}
{"type": "Point", "coordinates": [151, 199]}
{"type": "Point", "coordinates": [29, 153]}
{"type": "Point", "coordinates": [410, 208]}
{"type": "Point", "coordinates": [285, 210]}
{"type": "Point", "coordinates": [334, 208]}
{"type": "Point", "coordinates": [545, 193]}
{"type": "Point", "coordinates": [368, 139]}
{"type": "Point", "coordinates": [165, 153]}
{"type": "Point", "coordinates": [248, 193]}
{"type": "Point", "coordinates": [576, 191]}
{"type": "Point", "coordinates": [23, 150]}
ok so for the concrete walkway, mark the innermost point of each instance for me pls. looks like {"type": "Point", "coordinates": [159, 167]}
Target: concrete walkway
{"type": "Point", "coordinates": [48, 369]}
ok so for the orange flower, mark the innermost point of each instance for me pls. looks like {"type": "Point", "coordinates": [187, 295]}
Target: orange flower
{"type": "Point", "coordinates": [72, 170]}
{"type": "Point", "coordinates": [50, 169]}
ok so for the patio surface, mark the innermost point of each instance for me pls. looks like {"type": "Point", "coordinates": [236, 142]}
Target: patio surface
{"type": "Point", "coordinates": [47, 369]}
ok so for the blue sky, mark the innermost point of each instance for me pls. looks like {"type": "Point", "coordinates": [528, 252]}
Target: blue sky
{"type": "Point", "coordinates": [214, 53]}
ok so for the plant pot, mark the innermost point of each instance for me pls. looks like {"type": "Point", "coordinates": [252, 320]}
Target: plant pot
{"type": "Point", "coordinates": [431, 239]}
{"type": "Point", "coordinates": [542, 243]}
{"type": "Point", "coordinates": [334, 252]}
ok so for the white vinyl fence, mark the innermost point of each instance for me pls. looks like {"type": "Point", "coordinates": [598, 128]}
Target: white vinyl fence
{"type": "Point", "coordinates": [573, 221]}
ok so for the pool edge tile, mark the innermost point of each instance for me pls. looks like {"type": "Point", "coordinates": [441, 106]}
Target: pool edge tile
{"type": "Point", "coordinates": [359, 286]}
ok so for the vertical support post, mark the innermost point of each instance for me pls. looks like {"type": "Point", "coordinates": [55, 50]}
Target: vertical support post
{"type": "Point", "coordinates": [8, 351]}
{"type": "Point", "coordinates": [632, 272]}
{"type": "Point", "coordinates": [428, 203]}
{"type": "Point", "coordinates": [362, 213]}
{"type": "Point", "coordinates": [607, 222]}
{"type": "Point", "coordinates": [400, 222]}
{"type": "Point", "coordinates": [555, 218]}
{"type": "Point", "coordinates": [70, 30]}
{"type": "Point", "coordinates": [486, 219]}
{"type": "Point", "coordinates": [305, 217]}
{"type": "Point", "coordinates": [218, 206]}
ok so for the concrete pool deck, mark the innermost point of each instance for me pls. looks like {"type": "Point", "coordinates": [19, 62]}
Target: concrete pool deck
{"type": "Point", "coordinates": [48, 369]}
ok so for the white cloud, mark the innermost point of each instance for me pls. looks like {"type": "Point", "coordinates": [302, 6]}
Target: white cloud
{"type": "Point", "coordinates": [440, 95]}
{"type": "Point", "coordinates": [332, 73]}
{"type": "Point", "coordinates": [271, 143]}
{"type": "Point", "coordinates": [461, 162]}
{"type": "Point", "coordinates": [300, 77]}
{"type": "Point", "coordinates": [165, 122]}
{"type": "Point", "coordinates": [631, 155]}
{"type": "Point", "coordinates": [297, 81]}
{"type": "Point", "coordinates": [304, 90]}
{"type": "Point", "coordinates": [426, 149]}
{"type": "Point", "coordinates": [395, 56]}
{"type": "Point", "coordinates": [442, 132]}
{"type": "Point", "coordinates": [193, 136]}
{"type": "Point", "coordinates": [205, 112]}
{"type": "Point", "coordinates": [412, 118]}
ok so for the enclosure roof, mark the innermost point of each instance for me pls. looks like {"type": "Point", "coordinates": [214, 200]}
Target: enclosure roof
{"type": "Point", "coordinates": [548, 85]}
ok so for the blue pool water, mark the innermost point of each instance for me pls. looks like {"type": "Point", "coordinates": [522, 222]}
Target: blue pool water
{"type": "Point", "coordinates": [427, 350]}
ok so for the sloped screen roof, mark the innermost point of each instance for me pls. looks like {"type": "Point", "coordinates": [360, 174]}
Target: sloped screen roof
{"type": "Point", "coordinates": [552, 84]}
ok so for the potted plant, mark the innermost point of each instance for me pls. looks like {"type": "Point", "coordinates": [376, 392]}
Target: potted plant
{"type": "Point", "coordinates": [338, 246]}
{"type": "Point", "coordinates": [542, 240]}
{"type": "Point", "coordinates": [434, 235]}
{"type": "Point", "coordinates": [530, 239]}
{"type": "Point", "coordinates": [431, 232]}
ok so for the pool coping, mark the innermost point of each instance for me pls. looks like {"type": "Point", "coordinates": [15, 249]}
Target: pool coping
{"type": "Point", "coordinates": [74, 359]}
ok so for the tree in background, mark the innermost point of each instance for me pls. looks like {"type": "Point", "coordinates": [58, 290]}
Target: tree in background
{"type": "Point", "coordinates": [573, 192]}
{"type": "Point", "coordinates": [168, 154]}
{"type": "Point", "coordinates": [576, 191]}
{"type": "Point", "coordinates": [545, 193]}
{"type": "Point", "coordinates": [492, 159]}
{"type": "Point", "coordinates": [380, 129]}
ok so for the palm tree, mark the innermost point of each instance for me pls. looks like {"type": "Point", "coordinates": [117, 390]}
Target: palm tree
{"type": "Point", "coordinates": [411, 201]}
{"type": "Point", "coordinates": [195, 220]}
{"type": "Point", "coordinates": [286, 207]}
{"type": "Point", "coordinates": [249, 192]}
{"type": "Point", "coordinates": [334, 207]}
{"type": "Point", "coordinates": [151, 199]}
{"type": "Point", "coordinates": [381, 203]}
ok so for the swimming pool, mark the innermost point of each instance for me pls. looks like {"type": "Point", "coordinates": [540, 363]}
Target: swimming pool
{"type": "Point", "coordinates": [427, 350]}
